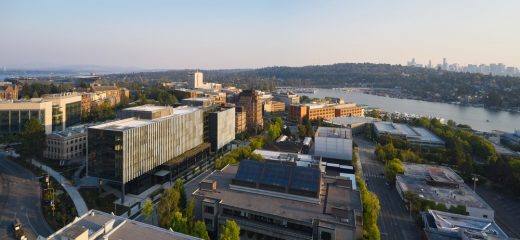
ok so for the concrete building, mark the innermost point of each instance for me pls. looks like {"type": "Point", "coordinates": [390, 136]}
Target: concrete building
{"type": "Point", "coordinates": [100, 225]}
{"type": "Point", "coordinates": [251, 103]}
{"type": "Point", "coordinates": [280, 201]}
{"type": "Point", "coordinates": [66, 109]}
{"type": "Point", "coordinates": [442, 225]}
{"type": "Point", "coordinates": [333, 143]}
{"type": "Point", "coordinates": [67, 144]}
{"type": "Point", "coordinates": [198, 82]}
{"type": "Point", "coordinates": [240, 120]}
{"type": "Point", "coordinates": [8, 91]}
{"type": "Point", "coordinates": [14, 114]}
{"type": "Point", "coordinates": [301, 160]}
{"type": "Point", "coordinates": [221, 127]}
{"type": "Point", "coordinates": [323, 111]}
{"type": "Point", "coordinates": [442, 185]}
{"type": "Point", "coordinates": [414, 135]}
{"type": "Point", "coordinates": [123, 151]}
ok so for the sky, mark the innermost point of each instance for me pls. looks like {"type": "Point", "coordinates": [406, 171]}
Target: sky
{"type": "Point", "coordinates": [216, 34]}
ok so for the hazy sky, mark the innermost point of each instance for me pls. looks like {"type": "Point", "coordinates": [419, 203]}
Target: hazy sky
{"type": "Point", "coordinates": [246, 33]}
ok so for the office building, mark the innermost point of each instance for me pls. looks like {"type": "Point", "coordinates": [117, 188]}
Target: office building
{"type": "Point", "coordinates": [67, 144]}
{"type": "Point", "coordinates": [15, 113]}
{"type": "Point", "coordinates": [198, 82]}
{"type": "Point", "coordinates": [221, 127]}
{"type": "Point", "coordinates": [251, 103]}
{"type": "Point", "coordinates": [8, 91]}
{"type": "Point", "coordinates": [127, 151]}
{"type": "Point", "coordinates": [198, 102]}
{"type": "Point", "coordinates": [414, 135]}
{"type": "Point", "coordinates": [100, 225]}
{"type": "Point", "coordinates": [323, 111]}
{"type": "Point", "coordinates": [147, 111]}
{"type": "Point", "coordinates": [274, 107]}
{"type": "Point", "coordinates": [280, 201]}
{"type": "Point", "coordinates": [441, 185]}
{"type": "Point", "coordinates": [240, 120]}
{"type": "Point", "coordinates": [442, 225]}
{"type": "Point", "coordinates": [66, 109]}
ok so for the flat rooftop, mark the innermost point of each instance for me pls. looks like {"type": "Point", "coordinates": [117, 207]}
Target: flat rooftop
{"type": "Point", "coordinates": [330, 132]}
{"type": "Point", "coordinates": [101, 225]}
{"type": "Point", "coordinates": [457, 225]}
{"type": "Point", "coordinates": [147, 108]}
{"type": "Point", "coordinates": [255, 200]}
{"type": "Point", "coordinates": [345, 121]}
{"type": "Point", "coordinates": [302, 160]}
{"type": "Point", "coordinates": [418, 179]}
{"type": "Point", "coordinates": [411, 133]}
{"type": "Point", "coordinates": [129, 123]}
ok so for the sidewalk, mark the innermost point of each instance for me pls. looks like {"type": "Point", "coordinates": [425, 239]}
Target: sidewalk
{"type": "Point", "coordinates": [79, 203]}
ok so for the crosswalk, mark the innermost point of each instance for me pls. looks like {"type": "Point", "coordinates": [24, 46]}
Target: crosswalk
{"type": "Point", "coordinates": [373, 175]}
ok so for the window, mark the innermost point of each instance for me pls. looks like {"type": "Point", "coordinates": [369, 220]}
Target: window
{"type": "Point", "coordinates": [485, 216]}
{"type": "Point", "coordinates": [325, 235]}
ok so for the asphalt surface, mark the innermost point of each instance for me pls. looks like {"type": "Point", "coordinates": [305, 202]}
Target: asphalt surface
{"type": "Point", "coordinates": [507, 210]}
{"type": "Point", "coordinates": [20, 198]}
{"type": "Point", "coordinates": [394, 220]}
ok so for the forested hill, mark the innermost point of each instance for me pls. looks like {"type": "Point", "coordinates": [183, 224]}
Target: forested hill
{"type": "Point", "coordinates": [430, 84]}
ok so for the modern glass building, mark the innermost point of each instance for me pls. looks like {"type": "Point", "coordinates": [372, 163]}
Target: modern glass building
{"type": "Point", "coordinates": [125, 150]}
{"type": "Point", "coordinates": [14, 114]}
{"type": "Point", "coordinates": [66, 109]}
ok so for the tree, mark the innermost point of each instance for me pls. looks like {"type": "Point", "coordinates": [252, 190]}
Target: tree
{"type": "Point", "coordinates": [147, 209]}
{"type": "Point", "coordinates": [179, 186]}
{"type": "Point", "coordinates": [188, 212]}
{"type": "Point", "coordinates": [167, 206]}
{"type": "Point", "coordinates": [230, 231]}
{"type": "Point", "coordinates": [33, 140]}
{"type": "Point", "coordinates": [392, 168]}
{"type": "Point", "coordinates": [200, 231]}
{"type": "Point", "coordinates": [179, 223]}
{"type": "Point", "coordinates": [164, 98]}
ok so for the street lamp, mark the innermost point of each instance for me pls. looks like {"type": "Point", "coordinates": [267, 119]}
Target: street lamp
{"type": "Point", "coordinates": [475, 179]}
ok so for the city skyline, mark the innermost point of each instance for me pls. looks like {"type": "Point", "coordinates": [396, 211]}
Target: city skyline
{"type": "Point", "coordinates": [223, 35]}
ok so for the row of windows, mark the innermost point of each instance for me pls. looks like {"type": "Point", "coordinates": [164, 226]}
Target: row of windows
{"type": "Point", "coordinates": [67, 150]}
{"type": "Point", "coordinates": [76, 140]}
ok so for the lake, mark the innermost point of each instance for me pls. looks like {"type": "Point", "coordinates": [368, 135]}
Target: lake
{"type": "Point", "coordinates": [473, 116]}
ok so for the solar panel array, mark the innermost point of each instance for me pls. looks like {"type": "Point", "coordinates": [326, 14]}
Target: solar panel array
{"type": "Point", "coordinates": [290, 177]}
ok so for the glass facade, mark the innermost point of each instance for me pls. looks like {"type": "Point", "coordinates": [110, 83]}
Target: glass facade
{"type": "Point", "coordinates": [13, 121]}
{"type": "Point", "coordinates": [57, 119]}
{"type": "Point", "coordinates": [105, 154]}
{"type": "Point", "coordinates": [73, 111]}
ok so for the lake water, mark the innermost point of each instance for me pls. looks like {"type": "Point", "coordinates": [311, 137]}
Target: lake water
{"type": "Point", "coordinates": [475, 117]}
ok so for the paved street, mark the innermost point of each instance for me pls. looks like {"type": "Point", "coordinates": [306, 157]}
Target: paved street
{"type": "Point", "coordinates": [507, 210]}
{"type": "Point", "coordinates": [394, 219]}
{"type": "Point", "coordinates": [20, 198]}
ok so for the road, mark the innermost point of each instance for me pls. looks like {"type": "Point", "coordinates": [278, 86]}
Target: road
{"type": "Point", "coordinates": [394, 220]}
{"type": "Point", "coordinates": [507, 210]}
{"type": "Point", "coordinates": [20, 198]}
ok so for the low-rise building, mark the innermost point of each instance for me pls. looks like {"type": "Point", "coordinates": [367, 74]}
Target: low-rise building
{"type": "Point", "coordinates": [442, 225]}
{"type": "Point", "coordinates": [302, 160]}
{"type": "Point", "coordinates": [198, 102]}
{"type": "Point", "coordinates": [356, 124]}
{"type": "Point", "coordinates": [441, 185]}
{"type": "Point", "coordinates": [334, 146]}
{"type": "Point", "coordinates": [67, 144]}
{"type": "Point", "coordinates": [281, 201]}
{"type": "Point", "coordinates": [111, 92]}
{"type": "Point", "coordinates": [323, 111]}
{"type": "Point", "coordinates": [148, 111]}
{"type": "Point", "coordinates": [15, 113]}
{"type": "Point", "coordinates": [183, 93]}
{"type": "Point", "coordinates": [414, 135]}
{"type": "Point", "coordinates": [287, 98]}
{"type": "Point", "coordinates": [8, 91]}
{"type": "Point", "coordinates": [100, 225]}
{"type": "Point", "coordinates": [274, 107]}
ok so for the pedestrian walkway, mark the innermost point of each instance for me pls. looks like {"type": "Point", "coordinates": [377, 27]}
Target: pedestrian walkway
{"type": "Point", "coordinates": [79, 203]}
{"type": "Point", "coordinates": [372, 175]}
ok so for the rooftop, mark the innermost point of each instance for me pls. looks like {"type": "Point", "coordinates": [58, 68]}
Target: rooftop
{"type": "Point", "coordinates": [61, 95]}
{"type": "Point", "coordinates": [330, 132]}
{"type": "Point", "coordinates": [106, 226]}
{"type": "Point", "coordinates": [302, 160]}
{"type": "Point", "coordinates": [454, 226]}
{"type": "Point", "coordinates": [147, 108]}
{"type": "Point", "coordinates": [252, 199]}
{"type": "Point", "coordinates": [129, 123]}
{"type": "Point", "coordinates": [411, 133]}
{"type": "Point", "coordinates": [439, 184]}
{"type": "Point", "coordinates": [345, 121]}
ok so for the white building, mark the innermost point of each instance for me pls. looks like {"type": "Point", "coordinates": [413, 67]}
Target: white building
{"type": "Point", "coordinates": [333, 143]}
{"type": "Point", "coordinates": [14, 114]}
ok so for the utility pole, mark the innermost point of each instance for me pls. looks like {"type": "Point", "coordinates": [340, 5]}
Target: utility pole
{"type": "Point", "coordinates": [475, 179]}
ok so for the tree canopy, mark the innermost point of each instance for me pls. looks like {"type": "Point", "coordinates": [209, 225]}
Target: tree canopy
{"type": "Point", "coordinates": [230, 231]}
{"type": "Point", "coordinates": [33, 140]}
